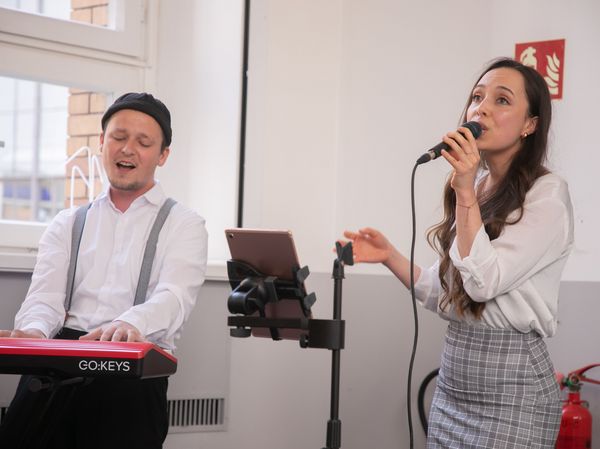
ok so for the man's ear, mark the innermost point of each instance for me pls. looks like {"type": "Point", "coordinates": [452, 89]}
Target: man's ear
{"type": "Point", "coordinates": [164, 154]}
{"type": "Point", "coordinates": [101, 140]}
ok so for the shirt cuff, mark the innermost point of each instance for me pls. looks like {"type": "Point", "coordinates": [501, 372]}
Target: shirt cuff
{"type": "Point", "coordinates": [130, 317]}
{"type": "Point", "coordinates": [425, 287]}
{"type": "Point", "coordinates": [469, 267]}
{"type": "Point", "coordinates": [38, 326]}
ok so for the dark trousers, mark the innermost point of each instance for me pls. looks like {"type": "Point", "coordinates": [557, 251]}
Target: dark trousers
{"type": "Point", "coordinates": [100, 413]}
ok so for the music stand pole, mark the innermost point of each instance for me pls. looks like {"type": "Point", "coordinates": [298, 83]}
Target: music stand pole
{"type": "Point", "coordinates": [334, 425]}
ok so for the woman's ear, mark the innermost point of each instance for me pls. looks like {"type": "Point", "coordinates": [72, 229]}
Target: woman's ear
{"type": "Point", "coordinates": [530, 125]}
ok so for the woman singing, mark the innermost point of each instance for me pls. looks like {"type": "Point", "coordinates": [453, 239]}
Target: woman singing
{"type": "Point", "coordinates": [503, 242]}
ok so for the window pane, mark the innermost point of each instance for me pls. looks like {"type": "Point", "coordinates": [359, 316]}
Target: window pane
{"type": "Point", "coordinates": [59, 9]}
{"type": "Point", "coordinates": [94, 12]}
{"type": "Point", "coordinates": [42, 126]}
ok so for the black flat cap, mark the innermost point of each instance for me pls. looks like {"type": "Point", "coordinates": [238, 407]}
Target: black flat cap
{"type": "Point", "coordinates": [146, 103]}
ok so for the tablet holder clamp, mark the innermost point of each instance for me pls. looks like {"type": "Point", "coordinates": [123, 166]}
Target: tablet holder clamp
{"type": "Point", "coordinates": [251, 293]}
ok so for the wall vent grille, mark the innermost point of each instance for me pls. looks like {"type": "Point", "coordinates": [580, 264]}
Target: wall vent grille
{"type": "Point", "coordinates": [188, 415]}
{"type": "Point", "coordinates": [196, 415]}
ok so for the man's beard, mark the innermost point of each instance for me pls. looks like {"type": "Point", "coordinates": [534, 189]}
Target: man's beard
{"type": "Point", "coordinates": [125, 185]}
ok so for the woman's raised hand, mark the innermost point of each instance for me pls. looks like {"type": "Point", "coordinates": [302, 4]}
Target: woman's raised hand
{"type": "Point", "coordinates": [369, 246]}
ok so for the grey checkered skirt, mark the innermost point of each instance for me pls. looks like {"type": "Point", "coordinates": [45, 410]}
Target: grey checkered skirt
{"type": "Point", "coordinates": [495, 389]}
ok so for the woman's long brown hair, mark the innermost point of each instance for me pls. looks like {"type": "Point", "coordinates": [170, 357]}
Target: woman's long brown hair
{"type": "Point", "coordinates": [508, 196]}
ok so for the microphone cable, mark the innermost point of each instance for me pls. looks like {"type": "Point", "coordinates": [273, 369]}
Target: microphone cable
{"type": "Point", "coordinates": [414, 305]}
{"type": "Point", "coordinates": [432, 154]}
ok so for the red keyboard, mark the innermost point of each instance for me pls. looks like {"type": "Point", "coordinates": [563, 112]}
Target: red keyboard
{"type": "Point", "coordinates": [83, 358]}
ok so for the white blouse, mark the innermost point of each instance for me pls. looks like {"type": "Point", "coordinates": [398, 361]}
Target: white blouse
{"type": "Point", "coordinates": [517, 274]}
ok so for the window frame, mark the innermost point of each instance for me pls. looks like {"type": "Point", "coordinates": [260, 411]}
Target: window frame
{"type": "Point", "coordinates": [18, 244]}
{"type": "Point", "coordinates": [69, 59]}
{"type": "Point", "coordinates": [126, 39]}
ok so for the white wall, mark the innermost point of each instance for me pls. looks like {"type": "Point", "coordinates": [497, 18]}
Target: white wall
{"type": "Point", "coordinates": [198, 74]}
{"type": "Point", "coordinates": [293, 119]}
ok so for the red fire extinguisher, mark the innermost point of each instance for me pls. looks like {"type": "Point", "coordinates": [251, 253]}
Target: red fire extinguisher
{"type": "Point", "coordinates": [576, 422]}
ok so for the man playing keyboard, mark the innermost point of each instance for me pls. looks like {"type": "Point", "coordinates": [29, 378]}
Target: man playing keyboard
{"type": "Point", "coordinates": [97, 277]}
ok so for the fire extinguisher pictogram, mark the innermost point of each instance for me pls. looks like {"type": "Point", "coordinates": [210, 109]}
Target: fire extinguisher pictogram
{"type": "Point", "coordinates": [576, 422]}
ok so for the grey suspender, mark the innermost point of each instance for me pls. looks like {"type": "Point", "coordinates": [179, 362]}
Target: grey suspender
{"type": "Point", "coordinates": [75, 242]}
{"type": "Point", "coordinates": [149, 252]}
{"type": "Point", "coordinates": [142, 287]}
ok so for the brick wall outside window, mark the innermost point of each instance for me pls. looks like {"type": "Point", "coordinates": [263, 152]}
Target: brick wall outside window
{"type": "Point", "coordinates": [85, 110]}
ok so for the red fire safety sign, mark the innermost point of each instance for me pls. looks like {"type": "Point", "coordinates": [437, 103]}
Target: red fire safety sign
{"type": "Point", "coordinates": [548, 58]}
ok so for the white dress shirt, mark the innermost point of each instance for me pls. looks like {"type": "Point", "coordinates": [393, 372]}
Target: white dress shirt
{"type": "Point", "coordinates": [517, 274]}
{"type": "Point", "coordinates": [108, 268]}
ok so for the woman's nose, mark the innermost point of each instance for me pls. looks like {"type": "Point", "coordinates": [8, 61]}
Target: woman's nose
{"type": "Point", "coordinates": [483, 107]}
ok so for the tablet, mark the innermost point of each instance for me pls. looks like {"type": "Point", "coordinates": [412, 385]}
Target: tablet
{"type": "Point", "coordinates": [272, 253]}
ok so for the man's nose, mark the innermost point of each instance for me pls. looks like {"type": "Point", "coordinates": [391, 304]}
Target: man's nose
{"type": "Point", "coordinates": [127, 147]}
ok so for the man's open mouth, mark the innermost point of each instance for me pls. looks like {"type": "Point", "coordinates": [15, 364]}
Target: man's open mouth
{"type": "Point", "coordinates": [125, 165]}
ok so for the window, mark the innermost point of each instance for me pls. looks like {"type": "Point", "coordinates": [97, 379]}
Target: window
{"type": "Point", "coordinates": [57, 76]}
{"type": "Point", "coordinates": [33, 118]}
{"type": "Point", "coordinates": [48, 161]}
{"type": "Point", "coordinates": [115, 26]}
{"type": "Point", "coordinates": [59, 9]}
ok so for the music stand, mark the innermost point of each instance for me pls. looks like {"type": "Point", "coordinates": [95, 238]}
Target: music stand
{"type": "Point", "coordinates": [269, 298]}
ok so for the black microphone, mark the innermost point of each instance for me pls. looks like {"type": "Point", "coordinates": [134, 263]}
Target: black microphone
{"type": "Point", "coordinates": [436, 151]}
